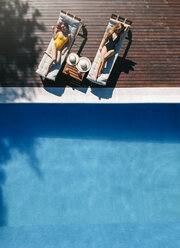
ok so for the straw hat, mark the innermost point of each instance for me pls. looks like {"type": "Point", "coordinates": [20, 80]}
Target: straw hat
{"type": "Point", "coordinates": [84, 64]}
{"type": "Point", "coordinates": [72, 59]}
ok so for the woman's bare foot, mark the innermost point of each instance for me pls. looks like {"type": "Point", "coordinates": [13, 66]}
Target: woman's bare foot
{"type": "Point", "coordinates": [95, 78]}
{"type": "Point", "coordinates": [46, 72]}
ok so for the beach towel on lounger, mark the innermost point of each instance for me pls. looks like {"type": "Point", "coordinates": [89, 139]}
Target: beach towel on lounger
{"type": "Point", "coordinates": [73, 28]}
{"type": "Point", "coordinates": [102, 80]}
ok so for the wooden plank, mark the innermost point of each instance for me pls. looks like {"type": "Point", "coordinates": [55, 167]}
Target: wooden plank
{"type": "Point", "coordinates": [151, 61]}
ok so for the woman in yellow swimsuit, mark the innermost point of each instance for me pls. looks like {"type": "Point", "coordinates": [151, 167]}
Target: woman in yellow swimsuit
{"type": "Point", "coordinates": [61, 37]}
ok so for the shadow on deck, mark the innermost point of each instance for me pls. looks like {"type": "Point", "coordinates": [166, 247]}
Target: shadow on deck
{"type": "Point", "coordinates": [19, 52]}
{"type": "Point", "coordinates": [154, 51]}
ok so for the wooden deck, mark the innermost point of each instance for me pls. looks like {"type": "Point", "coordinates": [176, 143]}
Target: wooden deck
{"type": "Point", "coordinates": [152, 59]}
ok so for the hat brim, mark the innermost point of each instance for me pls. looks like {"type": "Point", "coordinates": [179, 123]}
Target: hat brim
{"type": "Point", "coordinates": [88, 64]}
{"type": "Point", "coordinates": [76, 56]}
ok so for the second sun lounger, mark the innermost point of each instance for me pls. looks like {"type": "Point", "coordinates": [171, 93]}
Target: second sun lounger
{"type": "Point", "coordinates": [102, 80]}
{"type": "Point", "coordinates": [75, 26]}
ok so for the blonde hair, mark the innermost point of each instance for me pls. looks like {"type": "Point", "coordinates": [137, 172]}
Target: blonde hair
{"type": "Point", "coordinates": [117, 27]}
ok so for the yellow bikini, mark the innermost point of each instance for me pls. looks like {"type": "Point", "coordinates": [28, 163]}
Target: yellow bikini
{"type": "Point", "coordinates": [60, 41]}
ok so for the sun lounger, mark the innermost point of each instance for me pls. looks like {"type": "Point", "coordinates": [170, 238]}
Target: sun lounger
{"type": "Point", "coordinates": [102, 80]}
{"type": "Point", "coordinates": [75, 26]}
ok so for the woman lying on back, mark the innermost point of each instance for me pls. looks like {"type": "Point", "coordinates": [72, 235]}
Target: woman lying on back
{"type": "Point", "coordinates": [61, 37]}
{"type": "Point", "coordinates": [108, 45]}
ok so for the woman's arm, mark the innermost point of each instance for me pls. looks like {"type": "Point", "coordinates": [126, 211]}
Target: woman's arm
{"type": "Point", "coordinates": [102, 44]}
{"type": "Point", "coordinates": [104, 40]}
{"type": "Point", "coordinates": [53, 34]}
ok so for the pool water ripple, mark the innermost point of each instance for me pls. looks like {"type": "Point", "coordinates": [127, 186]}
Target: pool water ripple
{"type": "Point", "coordinates": [118, 182]}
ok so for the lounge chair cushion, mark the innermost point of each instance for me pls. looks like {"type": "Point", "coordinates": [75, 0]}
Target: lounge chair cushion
{"type": "Point", "coordinates": [102, 80]}
{"type": "Point", "coordinates": [73, 27]}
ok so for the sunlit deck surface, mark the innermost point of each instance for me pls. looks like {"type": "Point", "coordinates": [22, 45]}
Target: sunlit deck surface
{"type": "Point", "coordinates": [151, 60]}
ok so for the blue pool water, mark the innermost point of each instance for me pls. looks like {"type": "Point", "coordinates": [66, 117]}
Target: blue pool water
{"type": "Point", "coordinates": [90, 175]}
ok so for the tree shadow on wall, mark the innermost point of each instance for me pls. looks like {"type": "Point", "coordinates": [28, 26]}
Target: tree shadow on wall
{"type": "Point", "coordinates": [18, 44]}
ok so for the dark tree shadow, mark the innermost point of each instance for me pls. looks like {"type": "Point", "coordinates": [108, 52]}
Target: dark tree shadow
{"type": "Point", "coordinates": [24, 146]}
{"type": "Point", "coordinates": [10, 94]}
{"type": "Point", "coordinates": [18, 44]}
{"type": "Point", "coordinates": [3, 208]}
{"type": "Point", "coordinates": [13, 138]}
{"type": "Point", "coordinates": [4, 156]}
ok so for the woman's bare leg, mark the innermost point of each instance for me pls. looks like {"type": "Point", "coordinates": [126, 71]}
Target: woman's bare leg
{"type": "Point", "coordinates": [104, 59]}
{"type": "Point", "coordinates": [103, 52]}
{"type": "Point", "coordinates": [53, 59]}
{"type": "Point", "coordinates": [58, 58]}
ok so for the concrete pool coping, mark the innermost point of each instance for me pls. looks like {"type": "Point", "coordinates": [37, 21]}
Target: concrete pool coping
{"type": "Point", "coordinates": [88, 95]}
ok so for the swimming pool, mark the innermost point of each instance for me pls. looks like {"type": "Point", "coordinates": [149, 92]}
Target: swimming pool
{"type": "Point", "coordinates": [90, 175]}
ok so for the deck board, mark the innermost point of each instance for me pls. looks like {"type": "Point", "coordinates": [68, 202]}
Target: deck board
{"type": "Point", "coordinates": [153, 59]}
